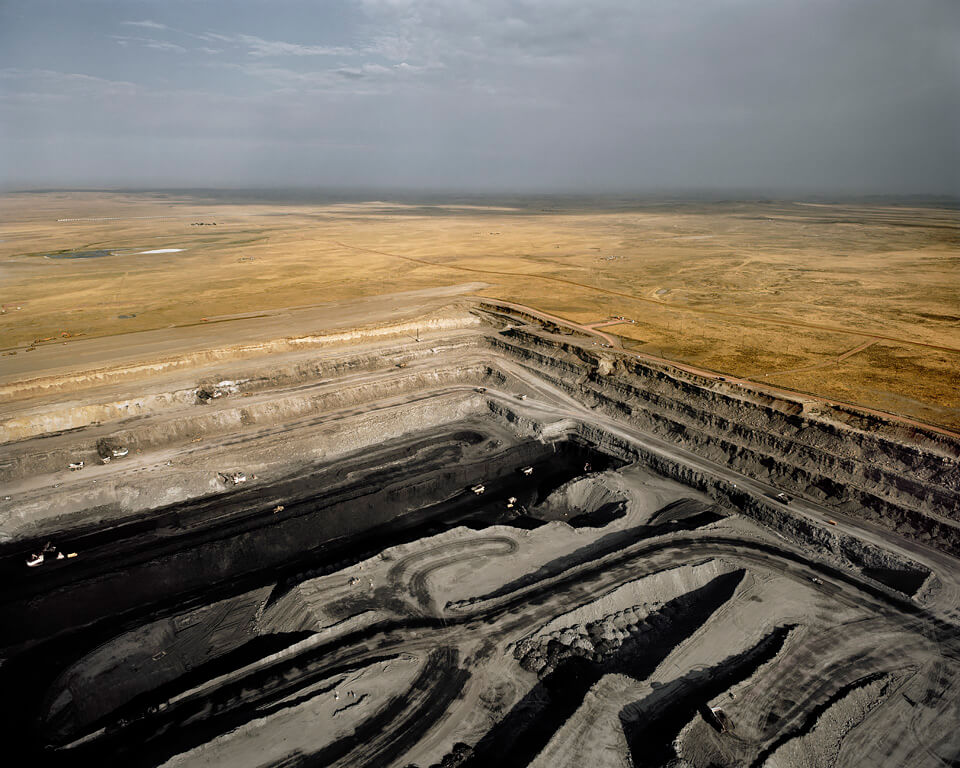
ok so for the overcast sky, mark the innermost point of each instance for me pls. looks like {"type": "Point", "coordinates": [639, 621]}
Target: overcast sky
{"type": "Point", "coordinates": [819, 95]}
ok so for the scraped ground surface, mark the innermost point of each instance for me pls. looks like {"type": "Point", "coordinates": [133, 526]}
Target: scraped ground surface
{"type": "Point", "coordinates": [455, 533]}
{"type": "Point", "coordinates": [853, 302]}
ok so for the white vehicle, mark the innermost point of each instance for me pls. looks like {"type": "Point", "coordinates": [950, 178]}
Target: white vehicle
{"type": "Point", "coordinates": [521, 397]}
{"type": "Point", "coordinates": [478, 489]}
{"type": "Point", "coordinates": [48, 551]}
{"type": "Point", "coordinates": [75, 465]}
{"type": "Point", "coordinates": [526, 471]}
{"type": "Point", "coordinates": [119, 452]}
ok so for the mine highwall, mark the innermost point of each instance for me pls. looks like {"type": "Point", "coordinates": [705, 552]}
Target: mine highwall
{"type": "Point", "coordinates": [904, 488]}
{"type": "Point", "coordinates": [831, 543]}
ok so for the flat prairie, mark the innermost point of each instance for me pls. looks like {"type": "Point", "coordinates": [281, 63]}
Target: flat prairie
{"type": "Point", "coordinates": [857, 302]}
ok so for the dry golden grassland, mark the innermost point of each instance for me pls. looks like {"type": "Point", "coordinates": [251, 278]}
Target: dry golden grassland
{"type": "Point", "coordinates": [773, 291]}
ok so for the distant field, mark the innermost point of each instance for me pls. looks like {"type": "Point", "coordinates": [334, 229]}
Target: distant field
{"type": "Point", "coordinates": [854, 302]}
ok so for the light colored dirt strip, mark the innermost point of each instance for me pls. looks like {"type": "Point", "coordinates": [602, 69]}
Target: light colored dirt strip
{"type": "Point", "coordinates": [604, 323]}
{"type": "Point", "coordinates": [815, 366]}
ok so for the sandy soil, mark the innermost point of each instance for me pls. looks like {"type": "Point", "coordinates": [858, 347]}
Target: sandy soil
{"type": "Point", "coordinates": [749, 289]}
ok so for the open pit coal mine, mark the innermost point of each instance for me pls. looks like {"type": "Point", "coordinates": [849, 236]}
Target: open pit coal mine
{"type": "Point", "coordinates": [496, 541]}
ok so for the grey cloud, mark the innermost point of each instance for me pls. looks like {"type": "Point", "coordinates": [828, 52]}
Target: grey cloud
{"type": "Point", "coordinates": [260, 47]}
{"type": "Point", "coordinates": [146, 24]}
{"type": "Point", "coordinates": [72, 82]}
{"type": "Point", "coordinates": [857, 95]}
{"type": "Point", "coordinates": [148, 42]}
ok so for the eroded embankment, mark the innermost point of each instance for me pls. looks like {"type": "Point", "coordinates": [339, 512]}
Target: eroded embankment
{"type": "Point", "coordinates": [291, 387]}
{"type": "Point", "coordinates": [57, 384]}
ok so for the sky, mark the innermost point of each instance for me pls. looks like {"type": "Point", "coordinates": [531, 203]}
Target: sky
{"type": "Point", "coordinates": [824, 96]}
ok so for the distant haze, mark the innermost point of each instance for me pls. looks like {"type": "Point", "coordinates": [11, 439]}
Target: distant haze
{"type": "Point", "coordinates": [829, 96]}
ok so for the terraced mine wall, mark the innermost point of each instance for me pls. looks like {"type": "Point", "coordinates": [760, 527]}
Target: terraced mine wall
{"type": "Point", "coordinates": [910, 489]}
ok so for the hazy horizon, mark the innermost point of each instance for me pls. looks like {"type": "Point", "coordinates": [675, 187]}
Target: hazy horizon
{"type": "Point", "coordinates": [439, 196]}
{"type": "Point", "coordinates": [620, 97]}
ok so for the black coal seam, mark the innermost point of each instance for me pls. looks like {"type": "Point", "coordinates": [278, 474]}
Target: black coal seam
{"type": "Point", "coordinates": [179, 514]}
{"type": "Point", "coordinates": [248, 653]}
{"type": "Point", "coordinates": [810, 720]}
{"type": "Point", "coordinates": [939, 631]}
{"type": "Point", "coordinates": [942, 629]}
{"type": "Point", "coordinates": [47, 660]}
{"type": "Point", "coordinates": [651, 739]}
{"type": "Point", "coordinates": [517, 739]}
{"type": "Point", "coordinates": [325, 552]}
{"type": "Point", "coordinates": [906, 580]}
{"type": "Point", "coordinates": [151, 737]}
{"type": "Point", "coordinates": [144, 706]}
{"type": "Point", "coordinates": [422, 523]}
{"type": "Point", "coordinates": [246, 511]}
